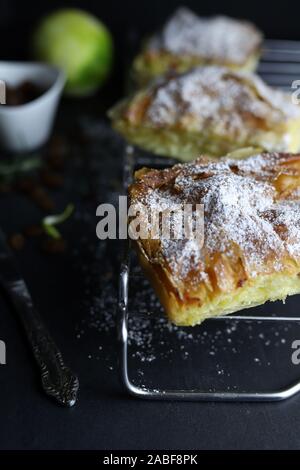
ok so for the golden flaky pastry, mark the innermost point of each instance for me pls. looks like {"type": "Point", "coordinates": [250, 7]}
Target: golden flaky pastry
{"type": "Point", "coordinates": [251, 250]}
{"type": "Point", "coordinates": [212, 111]}
{"type": "Point", "coordinates": [188, 40]}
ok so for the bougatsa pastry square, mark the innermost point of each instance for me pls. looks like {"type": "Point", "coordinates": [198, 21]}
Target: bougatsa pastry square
{"type": "Point", "coordinates": [251, 248]}
{"type": "Point", "coordinates": [209, 110]}
{"type": "Point", "coordinates": [187, 40]}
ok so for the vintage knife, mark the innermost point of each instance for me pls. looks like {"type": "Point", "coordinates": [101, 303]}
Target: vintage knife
{"type": "Point", "coordinates": [58, 380]}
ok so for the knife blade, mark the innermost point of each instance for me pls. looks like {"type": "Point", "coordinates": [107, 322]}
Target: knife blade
{"type": "Point", "coordinates": [58, 381]}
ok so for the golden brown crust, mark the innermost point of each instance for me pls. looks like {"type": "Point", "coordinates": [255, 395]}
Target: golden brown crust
{"type": "Point", "coordinates": [251, 231]}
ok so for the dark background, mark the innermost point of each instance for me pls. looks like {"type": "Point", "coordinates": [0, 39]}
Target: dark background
{"type": "Point", "coordinates": [128, 17]}
{"type": "Point", "coordinates": [276, 19]}
{"type": "Point", "coordinates": [106, 418]}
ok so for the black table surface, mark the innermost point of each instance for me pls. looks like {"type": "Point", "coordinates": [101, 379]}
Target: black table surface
{"type": "Point", "coordinates": [64, 288]}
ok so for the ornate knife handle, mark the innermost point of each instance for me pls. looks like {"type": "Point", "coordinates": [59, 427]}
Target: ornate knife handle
{"type": "Point", "coordinates": [58, 380]}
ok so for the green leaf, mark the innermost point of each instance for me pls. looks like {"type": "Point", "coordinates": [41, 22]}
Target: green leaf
{"type": "Point", "coordinates": [51, 221]}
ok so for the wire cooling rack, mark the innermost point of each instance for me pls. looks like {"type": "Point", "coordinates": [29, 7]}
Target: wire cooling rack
{"type": "Point", "coordinates": [280, 63]}
{"type": "Point", "coordinates": [279, 66]}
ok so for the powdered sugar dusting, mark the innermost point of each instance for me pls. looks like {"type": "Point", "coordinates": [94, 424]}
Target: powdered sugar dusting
{"type": "Point", "coordinates": [230, 104]}
{"type": "Point", "coordinates": [246, 218]}
{"type": "Point", "coordinates": [218, 38]}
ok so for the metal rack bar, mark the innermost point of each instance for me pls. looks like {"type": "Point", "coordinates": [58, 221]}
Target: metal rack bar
{"type": "Point", "coordinates": [193, 394]}
{"type": "Point", "coordinates": [280, 65]}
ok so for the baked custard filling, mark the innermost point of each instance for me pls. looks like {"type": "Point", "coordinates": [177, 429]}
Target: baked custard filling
{"type": "Point", "coordinates": [251, 248]}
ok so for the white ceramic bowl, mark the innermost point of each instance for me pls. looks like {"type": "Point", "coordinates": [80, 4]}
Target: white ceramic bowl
{"type": "Point", "coordinates": [26, 127]}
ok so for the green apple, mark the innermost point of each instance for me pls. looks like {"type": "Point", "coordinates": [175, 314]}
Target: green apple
{"type": "Point", "coordinates": [80, 44]}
